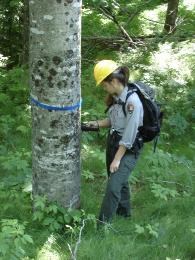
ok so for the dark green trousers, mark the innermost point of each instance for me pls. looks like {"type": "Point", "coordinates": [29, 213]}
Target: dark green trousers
{"type": "Point", "coordinates": [117, 195]}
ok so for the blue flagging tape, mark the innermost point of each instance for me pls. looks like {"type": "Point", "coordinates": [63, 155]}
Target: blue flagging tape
{"type": "Point", "coordinates": [56, 108]}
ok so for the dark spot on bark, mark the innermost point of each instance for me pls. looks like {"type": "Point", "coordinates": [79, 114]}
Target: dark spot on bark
{"type": "Point", "coordinates": [41, 91]}
{"type": "Point", "coordinates": [67, 73]}
{"type": "Point", "coordinates": [59, 1]}
{"type": "Point", "coordinates": [68, 1]}
{"type": "Point", "coordinates": [76, 72]}
{"type": "Point", "coordinates": [59, 84]}
{"type": "Point", "coordinates": [71, 156]}
{"type": "Point", "coordinates": [71, 25]}
{"type": "Point", "coordinates": [40, 141]}
{"type": "Point", "coordinates": [37, 82]}
{"type": "Point", "coordinates": [66, 23]}
{"type": "Point", "coordinates": [66, 13]}
{"type": "Point", "coordinates": [72, 83]}
{"type": "Point", "coordinates": [42, 75]}
{"type": "Point", "coordinates": [47, 58]}
{"type": "Point", "coordinates": [56, 146]}
{"type": "Point", "coordinates": [54, 123]}
{"type": "Point", "coordinates": [49, 78]}
{"type": "Point", "coordinates": [70, 63]}
{"type": "Point", "coordinates": [33, 78]}
{"type": "Point", "coordinates": [54, 164]}
{"type": "Point", "coordinates": [67, 39]}
{"type": "Point", "coordinates": [40, 63]}
{"type": "Point", "coordinates": [69, 53]}
{"type": "Point", "coordinates": [50, 84]}
{"type": "Point", "coordinates": [57, 60]}
{"type": "Point", "coordinates": [65, 83]}
{"type": "Point", "coordinates": [75, 37]}
{"type": "Point", "coordinates": [64, 139]}
{"type": "Point", "coordinates": [52, 72]}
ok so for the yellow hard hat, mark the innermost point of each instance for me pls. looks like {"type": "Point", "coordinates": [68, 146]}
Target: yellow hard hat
{"type": "Point", "coordinates": [104, 68]}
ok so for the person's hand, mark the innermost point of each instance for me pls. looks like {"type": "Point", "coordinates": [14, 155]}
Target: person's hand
{"type": "Point", "coordinates": [90, 126]}
{"type": "Point", "coordinates": [92, 123]}
{"type": "Point", "coordinates": [114, 165]}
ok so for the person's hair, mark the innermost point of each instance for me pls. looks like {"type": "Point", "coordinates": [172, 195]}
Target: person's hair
{"type": "Point", "coordinates": [122, 74]}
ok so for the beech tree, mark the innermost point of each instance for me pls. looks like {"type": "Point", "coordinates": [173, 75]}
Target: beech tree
{"type": "Point", "coordinates": [54, 61]}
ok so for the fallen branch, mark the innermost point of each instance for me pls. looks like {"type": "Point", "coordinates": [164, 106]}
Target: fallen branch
{"type": "Point", "coordinates": [116, 42]}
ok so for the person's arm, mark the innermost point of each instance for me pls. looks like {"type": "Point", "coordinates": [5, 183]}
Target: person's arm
{"type": "Point", "coordinates": [134, 119]}
{"type": "Point", "coordinates": [104, 123]}
{"type": "Point", "coordinates": [117, 159]}
{"type": "Point", "coordinates": [129, 135]}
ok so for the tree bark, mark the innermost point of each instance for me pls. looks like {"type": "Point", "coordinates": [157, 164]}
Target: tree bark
{"type": "Point", "coordinates": [55, 28]}
{"type": "Point", "coordinates": [171, 16]}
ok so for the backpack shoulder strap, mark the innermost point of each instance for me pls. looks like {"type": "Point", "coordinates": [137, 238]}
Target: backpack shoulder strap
{"type": "Point", "coordinates": [131, 90]}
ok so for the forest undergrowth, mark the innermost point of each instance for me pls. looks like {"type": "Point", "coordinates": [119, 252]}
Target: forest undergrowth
{"type": "Point", "coordinates": [162, 225]}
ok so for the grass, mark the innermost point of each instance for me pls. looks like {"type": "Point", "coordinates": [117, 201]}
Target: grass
{"type": "Point", "coordinates": [172, 223]}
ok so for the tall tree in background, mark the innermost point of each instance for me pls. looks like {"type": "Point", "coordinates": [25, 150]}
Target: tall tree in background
{"type": "Point", "coordinates": [11, 25]}
{"type": "Point", "coordinates": [55, 28]}
{"type": "Point", "coordinates": [171, 16]}
{"type": "Point", "coordinates": [25, 33]}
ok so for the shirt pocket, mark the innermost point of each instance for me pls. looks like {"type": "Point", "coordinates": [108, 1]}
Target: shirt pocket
{"type": "Point", "coordinates": [120, 113]}
{"type": "Point", "coordinates": [120, 117]}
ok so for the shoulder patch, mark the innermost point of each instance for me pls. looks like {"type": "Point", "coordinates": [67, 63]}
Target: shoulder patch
{"type": "Point", "coordinates": [130, 108]}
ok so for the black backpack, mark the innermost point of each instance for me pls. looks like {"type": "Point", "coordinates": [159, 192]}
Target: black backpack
{"type": "Point", "coordinates": [153, 115]}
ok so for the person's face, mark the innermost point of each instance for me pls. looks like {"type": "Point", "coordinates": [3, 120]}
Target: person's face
{"type": "Point", "coordinates": [110, 87]}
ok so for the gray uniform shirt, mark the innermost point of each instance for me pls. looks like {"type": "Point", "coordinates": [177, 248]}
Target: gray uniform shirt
{"type": "Point", "coordinates": [126, 126]}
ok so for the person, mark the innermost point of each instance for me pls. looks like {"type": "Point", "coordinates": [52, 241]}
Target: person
{"type": "Point", "coordinates": [123, 142]}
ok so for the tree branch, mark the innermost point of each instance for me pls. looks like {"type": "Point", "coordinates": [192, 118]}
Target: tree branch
{"type": "Point", "coordinates": [112, 17]}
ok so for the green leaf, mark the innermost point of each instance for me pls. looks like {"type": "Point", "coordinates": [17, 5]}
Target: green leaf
{"type": "Point", "coordinates": [28, 239]}
{"type": "Point", "coordinates": [52, 208]}
{"type": "Point", "coordinates": [139, 229]}
{"type": "Point", "coordinates": [152, 231]}
{"type": "Point", "coordinates": [56, 225]}
{"type": "Point", "coordinates": [67, 219]}
{"type": "Point", "coordinates": [38, 215]}
{"type": "Point", "coordinates": [48, 221]}
{"type": "Point", "coordinates": [23, 129]}
{"type": "Point", "coordinates": [40, 202]}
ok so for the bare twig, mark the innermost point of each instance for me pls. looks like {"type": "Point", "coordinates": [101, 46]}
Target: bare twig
{"type": "Point", "coordinates": [151, 20]}
{"type": "Point", "coordinates": [74, 253]}
{"type": "Point", "coordinates": [79, 240]}
{"type": "Point", "coordinates": [112, 17]}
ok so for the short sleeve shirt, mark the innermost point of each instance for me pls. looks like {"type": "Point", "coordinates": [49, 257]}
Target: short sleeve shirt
{"type": "Point", "coordinates": [127, 126]}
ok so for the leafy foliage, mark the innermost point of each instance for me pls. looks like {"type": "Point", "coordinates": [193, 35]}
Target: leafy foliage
{"type": "Point", "coordinates": [11, 29]}
{"type": "Point", "coordinates": [151, 230]}
{"type": "Point", "coordinates": [55, 217]}
{"type": "Point", "coordinates": [13, 239]}
{"type": "Point", "coordinates": [162, 184]}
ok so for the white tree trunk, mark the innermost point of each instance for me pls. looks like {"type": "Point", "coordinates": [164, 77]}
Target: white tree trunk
{"type": "Point", "coordinates": [55, 28]}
